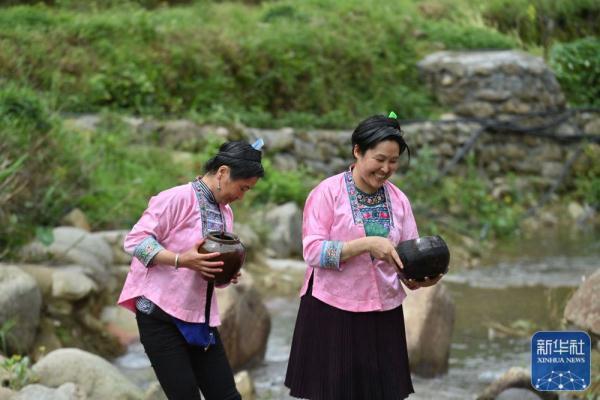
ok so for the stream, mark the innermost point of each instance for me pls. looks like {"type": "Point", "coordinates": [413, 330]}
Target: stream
{"type": "Point", "coordinates": [523, 288]}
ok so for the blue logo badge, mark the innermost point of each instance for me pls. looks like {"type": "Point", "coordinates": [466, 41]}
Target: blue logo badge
{"type": "Point", "coordinates": [560, 360]}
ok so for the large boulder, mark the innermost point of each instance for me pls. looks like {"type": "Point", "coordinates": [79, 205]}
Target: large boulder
{"type": "Point", "coordinates": [245, 322]}
{"type": "Point", "coordinates": [491, 83]}
{"type": "Point", "coordinates": [429, 316]}
{"type": "Point", "coordinates": [20, 306]}
{"type": "Point", "coordinates": [285, 230]}
{"type": "Point", "coordinates": [94, 375]}
{"type": "Point", "coordinates": [583, 308]}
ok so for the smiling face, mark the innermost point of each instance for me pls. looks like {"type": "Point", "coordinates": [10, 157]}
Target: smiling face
{"type": "Point", "coordinates": [376, 165]}
{"type": "Point", "coordinates": [232, 189]}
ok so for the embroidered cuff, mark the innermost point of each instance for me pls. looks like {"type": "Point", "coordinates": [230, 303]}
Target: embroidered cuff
{"type": "Point", "coordinates": [330, 254]}
{"type": "Point", "coordinates": [146, 250]}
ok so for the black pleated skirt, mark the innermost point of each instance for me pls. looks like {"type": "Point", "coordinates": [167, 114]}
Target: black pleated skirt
{"type": "Point", "coordinates": [342, 355]}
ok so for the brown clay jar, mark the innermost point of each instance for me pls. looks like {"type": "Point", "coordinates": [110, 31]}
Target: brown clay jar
{"type": "Point", "coordinates": [233, 254]}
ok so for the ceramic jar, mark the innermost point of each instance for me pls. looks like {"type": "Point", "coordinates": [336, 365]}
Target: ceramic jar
{"type": "Point", "coordinates": [423, 258]}
{"type": "Point", "coordinates": [233, 254]}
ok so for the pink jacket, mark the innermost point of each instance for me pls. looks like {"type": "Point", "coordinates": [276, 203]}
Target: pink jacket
{"type": "Point", "coordinates": [330, 217]}
{"type": "Point", "coordinates": [173, 220]}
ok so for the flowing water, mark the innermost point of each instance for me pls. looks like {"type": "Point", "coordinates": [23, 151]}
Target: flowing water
{"type": "Point", "coordinates": [498, 306]}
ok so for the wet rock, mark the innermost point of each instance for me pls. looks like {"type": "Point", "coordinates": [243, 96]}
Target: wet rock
{"type": "Point", "coordinates": [429, 316]}
{"type": "Point", "coordinates": [583, 308]}
{"type": "Point", "coordinates": [97, 377]}
{"type": "Point", "coordinates": [21, 303]}
{"type": "Point", "coordinates": [515, 377]}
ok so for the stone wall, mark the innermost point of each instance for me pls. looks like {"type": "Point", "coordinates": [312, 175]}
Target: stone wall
{"type": "Point", "coordinates": [480, 88]}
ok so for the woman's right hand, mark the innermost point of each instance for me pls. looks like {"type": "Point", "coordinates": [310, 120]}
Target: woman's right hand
{"type": "Point", "coordinates": [383, 249]}
{"type": "Point", "coordinates": [200, 262]}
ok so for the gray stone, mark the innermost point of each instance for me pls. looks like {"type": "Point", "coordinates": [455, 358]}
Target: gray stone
{"type": "Point", "coordinates": [155, 392]}
{"type": "Point", "coordinates": [245, 322]}
{"type": "Point", "coordinates": [515, 377]}
{"type": "Point", "coordinates": [244, 385]}
{"type": "Point", "coordinates": [476, 109]}
{"type": "Point", "coordinates": [285, 235]}
{"type": "Point", "coordinates": [583, 308]}
{"type": "Point", "coordinates": [275, 140]}
{"type": "Point", "coordinates": [71, 284]}
{"type": "Point", "coordinates": [429, 312]}
{"type": "Point", "coordinates": [285, 162]}
{"type": "Point", "coordinates": [77, 219]}
{"type": "Point", "coordinates": [95, 376]}
{"type": "Point", "coordinates": [74, 245]}
{"type": "Point", "coordinates": [517, 394]}
{"type": "Point", "coordinates": [551, 169]}
{"type": "Point", "coordinates": [20, 302]}
{"type": "Point", "coordinates": [592, 127]}
{"type": "Point", "coordinates": [67, 391]}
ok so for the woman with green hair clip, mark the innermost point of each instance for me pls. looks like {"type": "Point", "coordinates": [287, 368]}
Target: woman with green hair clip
{"type": "Point", "coordinates": [349, 340]}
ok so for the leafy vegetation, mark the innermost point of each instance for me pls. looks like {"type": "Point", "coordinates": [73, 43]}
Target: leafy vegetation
{"type": "Point", "coordinates": [18, 371]}
{"type": "Point", "coordinates": [577, 67]}
{"type": "Point", "coordinates": [315, 63]}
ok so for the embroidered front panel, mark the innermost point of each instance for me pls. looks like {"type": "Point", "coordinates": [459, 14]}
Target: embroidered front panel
{"type": "Point", "coordinates": [376, 207]}
{"type": "Point", "coordinates": [146, 250]}
{"type": "Point", "coordinates": [330, 254]}
{"type": "Point", "coordinates": [210, 213]}
{"type": "Point", "coordinates": [351, 188]}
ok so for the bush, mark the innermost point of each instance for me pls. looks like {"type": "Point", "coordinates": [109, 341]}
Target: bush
{"type": "Point", "coordinates": [577, 68]}
{"type": "Point", "coordinates": [540, 21]}
{"type": "Point", "coordinates": [38, 177]}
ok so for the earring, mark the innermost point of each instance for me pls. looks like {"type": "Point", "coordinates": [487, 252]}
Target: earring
{"type": "Point", "coordinates": [219, 185]}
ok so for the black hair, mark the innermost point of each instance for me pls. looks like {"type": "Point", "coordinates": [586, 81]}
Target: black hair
{"type": "Point", "coordinates": [242, 159]}
{"type": "Point", "coordinates": [375, 129]}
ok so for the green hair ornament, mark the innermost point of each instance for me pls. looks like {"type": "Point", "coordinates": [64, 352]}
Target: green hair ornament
{"type": "Point", "coordinates": [393, 115]}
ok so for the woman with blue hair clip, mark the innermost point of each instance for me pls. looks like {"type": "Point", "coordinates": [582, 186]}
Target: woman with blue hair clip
{"type": "Point", "coordinates": [169, 285]}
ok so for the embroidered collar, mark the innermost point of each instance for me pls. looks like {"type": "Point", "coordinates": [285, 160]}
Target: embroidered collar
{"type": "Point", "coordinates": [353, 194]}
{"type": "Point", "coordinates": [208, 194]}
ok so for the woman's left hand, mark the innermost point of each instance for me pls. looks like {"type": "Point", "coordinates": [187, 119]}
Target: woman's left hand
{"type": "Point", "coordinates": [236, 278]}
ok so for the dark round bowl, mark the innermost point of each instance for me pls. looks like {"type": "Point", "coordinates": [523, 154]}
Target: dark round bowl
{"type": "Point", "coordinates": [424, 257]}
{"type": "Point", "coordinates": [233, 254]}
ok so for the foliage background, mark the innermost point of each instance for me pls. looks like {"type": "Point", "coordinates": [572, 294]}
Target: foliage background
{"type": "Point", "coordinates": [315, 63]}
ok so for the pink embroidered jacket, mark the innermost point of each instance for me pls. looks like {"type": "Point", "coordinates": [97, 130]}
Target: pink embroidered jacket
{"type": "Point", "coordinates": [175, 220]}
{"type": "Point", "coordinates": [331, 217]}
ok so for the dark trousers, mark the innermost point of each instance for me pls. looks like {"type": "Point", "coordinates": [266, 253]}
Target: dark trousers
{"type": "Point", "coordinates": [181, 368]}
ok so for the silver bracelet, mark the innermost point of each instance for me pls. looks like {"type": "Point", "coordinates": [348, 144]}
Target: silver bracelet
{"type": "Point", "coordinates": [177, 261]}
